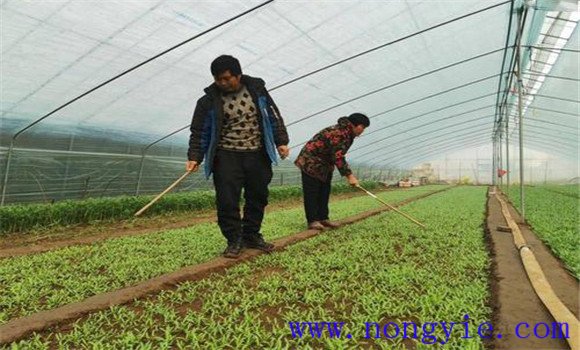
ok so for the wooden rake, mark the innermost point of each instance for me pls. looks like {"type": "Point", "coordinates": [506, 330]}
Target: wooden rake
{"type": "Point", "coordinates": [391, 207]}
{"type": "Point", "coordinates": [162, 193]}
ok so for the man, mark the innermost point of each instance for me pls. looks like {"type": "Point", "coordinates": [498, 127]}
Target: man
{"type": "Point", "coordinates": [237, 128]}
{"type": "Point", "coordinates": [317, 160]}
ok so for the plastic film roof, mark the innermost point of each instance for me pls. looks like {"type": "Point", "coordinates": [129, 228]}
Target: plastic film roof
{"type": "Point", "coordinates": [551, 89]}
{"type": "Point", "coordinates": [426, 72]}
{"type": "Point", "coordinates": [54, 51]}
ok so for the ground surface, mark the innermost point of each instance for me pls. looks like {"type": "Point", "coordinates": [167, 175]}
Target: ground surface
{"type": "Point", "coordinates": [512, 297]}
{"type": "Point", "coordinates": [515, 300]}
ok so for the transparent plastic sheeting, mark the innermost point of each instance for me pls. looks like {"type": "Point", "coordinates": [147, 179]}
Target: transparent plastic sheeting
{"type": "Point", "coordinates": [550, 83]}
{"type": "Point", "coordinates": [551, 119]}
{"type": "Point", "coordinates": [54, 51]}
{"type": "Point", "coordinates": [435, 75]}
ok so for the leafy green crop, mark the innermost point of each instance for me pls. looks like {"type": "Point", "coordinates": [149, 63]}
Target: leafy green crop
{"type": "Point", "coordinates": [379, 270]}
{"type": "Point", "coordinates": [554, 217]}
{"type": "Point", "coordinates": [19, 218]}
{"type": "Point", "coordinates": [43, 281]}
{"type": "Point", "coordinates": [567, 190]}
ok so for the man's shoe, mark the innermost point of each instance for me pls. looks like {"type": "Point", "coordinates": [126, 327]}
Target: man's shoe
{"type": "Point", "coordinates": [258, 243]}
{"type": "Point", "coordinates": [328, 223]}
{"type": "Point", "coordinates": [315, 225]}
{"type": "Point", "coordinates": [233, 250]}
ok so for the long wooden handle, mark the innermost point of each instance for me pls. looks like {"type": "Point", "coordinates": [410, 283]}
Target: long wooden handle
{"type": "Point", "coordinates": [162, 193]}
{"type": "Point", "coordinates": [391, 207]}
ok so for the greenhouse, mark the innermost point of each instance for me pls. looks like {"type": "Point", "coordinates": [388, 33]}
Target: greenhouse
{"type": "Point", "coordinates": [381, 174]}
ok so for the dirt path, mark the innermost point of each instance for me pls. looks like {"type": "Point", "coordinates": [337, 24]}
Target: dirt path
{"type": "Point", "coordinates": [22, 244]}
{"type": "Point", "coordinates": [18, 328]}
{"type": "Point", "coordinates": [514, 299]}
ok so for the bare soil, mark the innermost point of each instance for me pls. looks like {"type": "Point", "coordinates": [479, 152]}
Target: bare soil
{"type": "Point", "coordinates": [514, 299]}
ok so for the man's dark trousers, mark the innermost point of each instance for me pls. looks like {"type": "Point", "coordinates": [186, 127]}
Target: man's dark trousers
{"type": "Point", "coordinates": [233, 171]}
{"type": "Point", "coordinates": [316, 195]}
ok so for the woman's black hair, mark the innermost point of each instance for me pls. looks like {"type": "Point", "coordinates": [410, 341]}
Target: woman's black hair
{"type": "Point", "coordinates": [359, 119]}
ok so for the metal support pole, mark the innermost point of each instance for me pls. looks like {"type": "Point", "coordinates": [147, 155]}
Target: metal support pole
{"type": "Point", "coordinates": [493, 158]}
{"type": "Point", "coordinates": [520, 116]}
{"type": "Point", "coordinates": [67, 166]}
{"type": "Point", "coordinates": [507, 152]}
{"type": "Point", "coordinates": [140, 176]}
{"type": "Point", "coordinates": [498, 161]}
{"type": "Point", "coordinates": [144, 152]}
{"type": "Point", "coordinates": [5, 182]}
{"type": "Point", "coordinates": [500, 154]}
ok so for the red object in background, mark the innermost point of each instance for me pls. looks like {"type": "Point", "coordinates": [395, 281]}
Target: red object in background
{"type": "Point", "coordinates": [501, 172]}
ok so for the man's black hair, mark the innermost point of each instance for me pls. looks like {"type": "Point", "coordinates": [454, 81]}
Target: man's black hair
{"type": "Point", "coordinates": [224, 63]}
{"type": "Point", "coordinates": [359, 119]}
